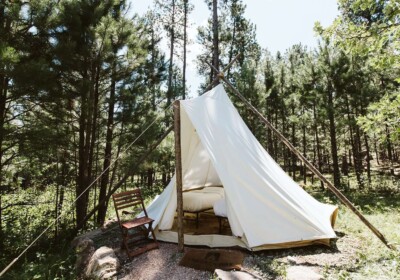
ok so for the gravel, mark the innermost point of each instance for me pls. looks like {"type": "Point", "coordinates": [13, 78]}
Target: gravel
{"type": "Point", "coordinates": [160, 264]}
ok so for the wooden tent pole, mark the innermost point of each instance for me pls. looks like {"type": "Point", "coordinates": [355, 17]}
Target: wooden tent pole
{"type": "Point", "coordinates": [178, 173]}
{"type": "Point", "coordinates": [312, 168]}
{"type": "Point", "coordinates": [223, 71]}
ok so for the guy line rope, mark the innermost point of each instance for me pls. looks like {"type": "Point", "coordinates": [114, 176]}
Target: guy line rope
{"type": "Point", "coordinates": [90, 185]}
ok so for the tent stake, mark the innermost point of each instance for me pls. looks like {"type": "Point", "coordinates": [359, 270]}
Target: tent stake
{"type": "Point", "coordinates": [311, 167]}
{"type": "Point", "coordinates": [178, 172]}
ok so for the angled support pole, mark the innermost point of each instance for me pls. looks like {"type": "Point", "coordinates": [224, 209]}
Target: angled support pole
{"type": "Point", "coordinates": [310, 166]}
{"type": "Point", "coordinates": [219, 73]}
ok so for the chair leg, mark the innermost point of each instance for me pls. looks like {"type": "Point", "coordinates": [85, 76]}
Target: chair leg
{"type": "Point", "coordinates": [154, 236]}
{"type": "Point", "coordinates": [125, 238]}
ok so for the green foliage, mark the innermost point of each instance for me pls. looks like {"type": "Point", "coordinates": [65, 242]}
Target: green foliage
{"type": "Point", "coordinates": [383, 116]}
{"type": "Point", "coordinates": [369, 27]}
{"type": "Point", "coordinates": [51, 265]}
{"type": "Point", "coordinates": [269, 267]}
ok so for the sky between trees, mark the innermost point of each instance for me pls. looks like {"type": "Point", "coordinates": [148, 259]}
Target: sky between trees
{"type": "Point", "coordinates": [280, 25]}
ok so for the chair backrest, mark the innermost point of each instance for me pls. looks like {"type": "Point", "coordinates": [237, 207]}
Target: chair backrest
{"type": "Point", "coordinates": [129, 200]}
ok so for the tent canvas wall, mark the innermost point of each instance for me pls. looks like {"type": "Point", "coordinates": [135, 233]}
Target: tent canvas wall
{"type": "Point", "coordinates": [265, 207]}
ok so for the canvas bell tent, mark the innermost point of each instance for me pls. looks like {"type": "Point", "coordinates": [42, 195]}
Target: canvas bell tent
{"type": "Point", "coordinates": [264, 206]}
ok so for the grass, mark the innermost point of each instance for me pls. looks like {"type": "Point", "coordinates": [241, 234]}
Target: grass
{"type": "Point", "coordinates": [358, 253]}
{"type": "Point", "coordinates": [365, 257]}
{"type": "Point", "coordinates": [373, 259]}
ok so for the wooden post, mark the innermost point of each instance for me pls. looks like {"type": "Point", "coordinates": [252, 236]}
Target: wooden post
{"type": "Point", "coordinates": [310, 166]}
{"type": "Point", "coordinates": [178, 172]}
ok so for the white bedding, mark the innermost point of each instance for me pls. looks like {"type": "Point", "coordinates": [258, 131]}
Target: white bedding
{"type": "Point", "coordinates": [203, 199]}
{"type": "Point", "coordinates": [220, 208]}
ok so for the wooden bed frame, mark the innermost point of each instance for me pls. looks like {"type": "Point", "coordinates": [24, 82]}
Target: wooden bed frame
{"type": "Point", "coordinates": [197, 215]}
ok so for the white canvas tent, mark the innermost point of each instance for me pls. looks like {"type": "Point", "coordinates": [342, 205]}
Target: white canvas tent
{"type": "Point", "coordinates": [265, 207]}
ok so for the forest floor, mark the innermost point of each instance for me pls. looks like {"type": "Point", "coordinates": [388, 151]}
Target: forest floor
{"type": "Point", "coordinates": [356, 254]}
{"type": "Point", "coordinates": [278, 264]}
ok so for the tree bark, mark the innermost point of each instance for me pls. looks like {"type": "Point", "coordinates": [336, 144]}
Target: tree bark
{"type": "Point", "coordinates": [94, 115]}
{"type": "Point", "coordinates": [85, 133]}
{"type": "Point", "coordinates": [231, 47]}
{"type": "Point", "coordinates": [368, 158]}
{"type": "Point", "coordinates": [3, 102]}
{"type": "Point", "coordinates": [355, 145]}
{"type": "Point", "coordinates": [215, 52]}
{"type": "Point", "coordinates": [358, 160]}
{"type": "Point", "coordinates": [293, 158]}
{"type": "Point", "coordinates": [101, 215]}
{"type": "Point", "coordinates": [82, 179]}
{"type": "Point", "coordinates": [185, 11]}
{"type": "Point", "coordinates": [171, 54]}
{"type": "Point", "coordinates": [332, 134]}
{"type": "Point", "coordinates": [389, 150]}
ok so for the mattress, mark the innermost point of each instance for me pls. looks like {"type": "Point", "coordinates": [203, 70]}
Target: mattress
{"type": "Point", "coordinates": [220, 208]}
{"type": "Point", "coordinates": [203, 199]}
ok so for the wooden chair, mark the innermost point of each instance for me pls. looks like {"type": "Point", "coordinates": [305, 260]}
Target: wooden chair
{"type": "Point", "coordinates": [135, 231]}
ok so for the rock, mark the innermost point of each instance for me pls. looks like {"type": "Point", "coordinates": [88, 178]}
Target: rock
{"type": "Point", "coordinates": [302, 273]}
{"type": "Point", "coordinates": [292, 260]}
{"type": "Point", "coordinates": [103, 264]}
{"type": "Point", "coordinates": [109, 224]}
{"type": "Point", "coordinates": [235, 275]}
{"type": "Point", "coordinates": [93, 234]}
{"type": "Point", "coordinates": [84, 249]}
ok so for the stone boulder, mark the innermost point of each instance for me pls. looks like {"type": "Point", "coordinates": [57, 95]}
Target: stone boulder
{"type": "Point", "coordinates": [84, 249]}
{"type": "Point", "coordinates": [103, 264]}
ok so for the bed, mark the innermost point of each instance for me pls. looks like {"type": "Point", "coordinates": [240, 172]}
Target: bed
{"type": "Point", "coordinates": [201, 200]}
{"type": "Point", "coordinates": [220, 212]}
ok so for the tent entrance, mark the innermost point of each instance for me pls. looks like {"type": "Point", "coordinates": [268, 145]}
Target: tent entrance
{"type": "Point", "coordinates": [207, 233]}
{"type": "Point", "coordinates": [207, 223]}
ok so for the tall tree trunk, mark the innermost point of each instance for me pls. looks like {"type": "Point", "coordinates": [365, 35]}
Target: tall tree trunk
{"type": "Point", "coordinates": [85, 132]}
{"type": "Point", "coordinates": [389, 150]}
{"type": "Point", "coordinates": [107, 152]}
{"type": "Point", "coordinates": [82, 180]}
{"type": "Point", "coordinates": [358, 161]}
{"type": "Point", "coordinates": [275, 140]}
{"type": "Point", "coordinates": [304, 169]}
{"type": "Point", "coordinates": [376, 151]}
{"type": "Point", "coordinates": [95, 97]}
{"type": "Point", "coordinates": [3, 102]}
{"type": "Point", "coordinates": [231, 47]}
{"type": "Point", "coordinates": [354, 139]}
{"type": "Point", "coordinates": [332, 134]}
{"type": "Point", "coordinates": [368, 158]}
{"type": "Point", "coordinates": [149, 178]}
{"type": "Point", "coordinates": [153, 74]}
{"type": "Point", "coordinates": [171, 55]}
{"type": "Point", "coordinates": [215, 40]}
{"type": "Point", "coordinates": [185, 14]}
{"type": "Point", "coordinates": [293, 159]}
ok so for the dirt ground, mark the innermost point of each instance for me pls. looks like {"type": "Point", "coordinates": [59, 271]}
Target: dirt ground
{"type": "Point", "coordinates": [163, 263]}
